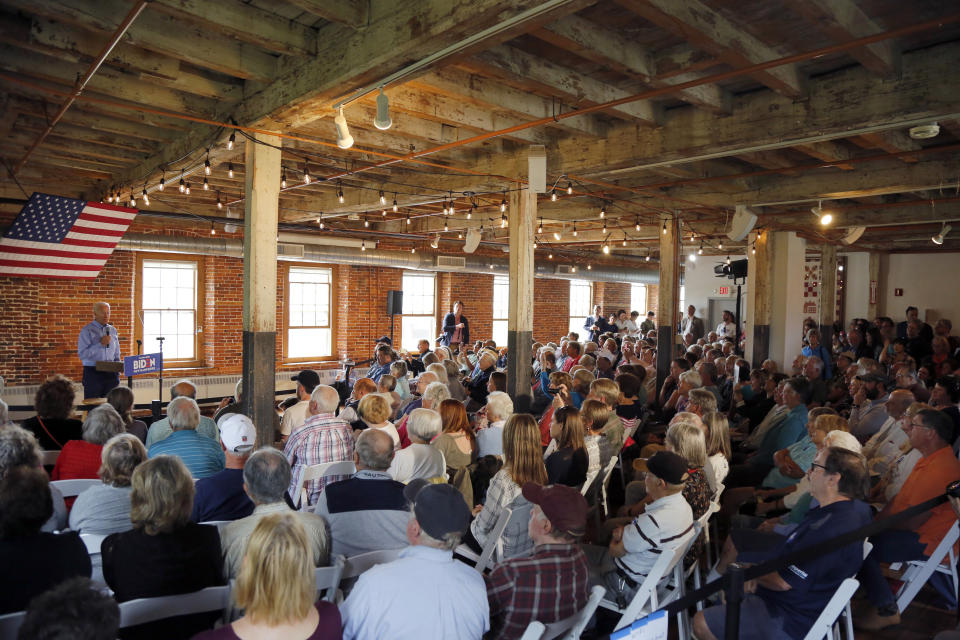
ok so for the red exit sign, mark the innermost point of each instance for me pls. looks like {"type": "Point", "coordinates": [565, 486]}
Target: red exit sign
{"type": "Point", "coordinates": [724, 291]}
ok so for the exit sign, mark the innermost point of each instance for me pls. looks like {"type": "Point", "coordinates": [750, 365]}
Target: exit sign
{"type": "Point", "coordinates": [724, 291]}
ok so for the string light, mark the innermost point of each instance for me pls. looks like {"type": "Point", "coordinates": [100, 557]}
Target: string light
{"type": "Point", "coordinates": [728, 259]}
{"type": "Point", "coordinates": [395, 207]}
{"type": "Point", "coordinates": [556, 235]}
{"type": "Point", "coordinates": [383, 198]}
{"type": "Point", "coordinates": [163, 178]}
{"type": "Point", "coordinates": [306, 173]}
{"type": "Point", "coordinates": [384, 213]}
{"type": "Point", "coordinates": [569, 188]}
{"type": "Point", "coordinates": [573, 269]}
{"type": "Point", "coordinates": [603, 211]}
{"type": "Point", "coordinates": [664, 227]}
{"type": "Point", "coordinates": [700, 250]}
{"type": "Point", "coordinates": [574, 229]}
{"type": "Point", "coordinates": [606, 248]}
{"type": "Point", "coordinates": [720, 245]}
{"type": "Point", "coordinates": [473, 207]}
{"type": "Point", "coordinates": [534, 244]}
{"type": "Point", "coordinates": [550, 256]}
{"type": "Point", "coordinates": [459, 235]}
{"type": "Point", "coordinates": [206, 184]}
{"type": "Point", "coordinates": [283, 178]}
{"type": "Point", "coordinates": [340, 193]}
{"type": "Point", "coordinates": [753, 249]}
{"type": "Point", "coordinates": [320, 220]}
{"type": "Point", "coordinates": [363, 245]}
{"type": "Point", "coordinates": [589, 267]}
{"type": "Point", "coordinates": [604, 227]}
{"type": "Point", "coordinates": [540, 226]}
{"type": "Point", "coordinates": [213, 230]}
{"type": "Point", "coordinates": [692, 257]}
{"type": "Point", "coordinates": [230, 169]}
{"type": "Point", "coordinates": [445, 226]}
{"type": "Point", "coordinates": [146, 198]}
{"type": "Point", "coordinates": [133, 202]}
{"type": "Point", "coordinates": [366, 223]}
{"type": "Point", "coordinates": [187, 190]}
{"type": "Point", "coordinates": [503, 203]}
{"type": "Point", "coordinates": [219, 201]}
{"type": "Point", "coordinates": [637, 225]}
{"type": "Point", "coordinates": [553, 195]}
{"type": "Point", "coordinates": [182, 183]}
{"type": "Point", "coordinates": [647, 258]}
{"type": "Point", "coordinates": [624, 239]}
{"type": "Point", "coordinates": [413, 249]}
{"type": "Point", "coordinates": [232, 139]}
{"type": "Point", "coordinates": [444, 206]}
{"type": "Point", "coordinates": [206, 165]}
{"type": "Point", "coordinates": [408, 218]}
{"type": "Point", "coordinates": [503, 220]}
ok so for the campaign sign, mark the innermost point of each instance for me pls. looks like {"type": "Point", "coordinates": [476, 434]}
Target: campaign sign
{"type": "Point", "coordinates": [145, 363]}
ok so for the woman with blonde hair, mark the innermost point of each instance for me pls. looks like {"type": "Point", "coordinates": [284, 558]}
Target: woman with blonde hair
{"type": "Point", "coordinates": [276, 588]}
{"type": "Point", "coordinates": [458, 445]}
{"type": "Point", "coordinates": [718, 446]}
{"type": "Point", "coordinates": [374, 410]}
{"type": "Point", "coordinates": [522, 462]}
{"type": "Point", "coordinates": [567, 462]}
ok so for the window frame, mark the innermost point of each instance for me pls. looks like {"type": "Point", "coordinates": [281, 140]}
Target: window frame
{"type": "Point", "coordinates": [433, 314]}
{"type": "Point", "coordinates": [285, 315]}
{"type": "Point", "coordinates": [571, 315]}
{"type": "Point", "coordinates": [646, 293]}
{"type": "Point", "coordinates": [199, 314]}
{"type": "Point", "coordinates": [502, 281]}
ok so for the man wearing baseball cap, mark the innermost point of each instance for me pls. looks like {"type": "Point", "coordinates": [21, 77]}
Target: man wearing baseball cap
{"type": "Point", "coordinates": [554, 582]}
{"type": "Point", "coordinates": [294, 417]}
{"type": "Point", "coordinates": [221, 496]}
{"type": "Point", "coordinates": [665, 525]}
{"type": "Point", "coordinates": [425, 593]}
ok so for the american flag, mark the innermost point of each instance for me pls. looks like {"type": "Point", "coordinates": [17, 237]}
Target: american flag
{"type": "Point", "coordinates": [56, 237]}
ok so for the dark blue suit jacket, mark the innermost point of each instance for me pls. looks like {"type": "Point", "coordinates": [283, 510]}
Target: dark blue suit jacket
{"type": "Point", "coordinates": [450, 325]}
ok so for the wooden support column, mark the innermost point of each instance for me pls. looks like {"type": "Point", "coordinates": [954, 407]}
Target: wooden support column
{"type": "Point", "coordinates": [759, 283]}
{"type": "Point", "coordinates": [874, 299]}
{"type": "Point", "coordinates": [828, 293]}
{"type": "Point", "coordinates": [262, 188]}
{"type": "Point", "coordinates": [668, 299]}
{"type": "Point", "coordinates": [521, 222]}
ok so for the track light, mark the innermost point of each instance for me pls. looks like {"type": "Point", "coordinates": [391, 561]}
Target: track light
{"type": "Point", "coordinates": [825, 217]}
{"type": "Point", "coordinates": [206, 184]}
{"type": "Point", "coordinates": [340, 193]}
{"type": "Point", "coordinates": [163, 178]}
{"type": "Point", "coordinates": [344, 139]}
{"type": "Point", "coordinates": [146, 198]}
{"type": "Point", "coordinates": [382, 121]}
{"type": "Point", "coordinates": [206, 165]}
{"type": "Point", "coordinates": [383, 198]}
{"type": "Point", "coordinates": [553, 195]}
{"type": "Point", "coordinates": [219, 201]}
{"type": "Point", "coordinates": [283, 178]}
{"type": "Point", "coordinates": [944, 230]}
{"type": "Point", "coordinates": [230, 169]}
{"type": "Point", "coordinates": [231, 140]}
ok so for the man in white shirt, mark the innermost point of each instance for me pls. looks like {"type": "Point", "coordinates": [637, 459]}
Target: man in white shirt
{"type": "Point", "coordinates": [295, 416]}
{"type": "Point", "coordinates": [425, 593]}
{"type": "Point", "coordinates": [726, 328]}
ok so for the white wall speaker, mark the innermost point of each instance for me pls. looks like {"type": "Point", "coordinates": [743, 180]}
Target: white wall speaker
{"type": "Point", "coordinates": [742, 223]}
{"type": "Point", "coordinates": [472, 242]}
{"type": "Point", "coordinates": [853, 235]}
{"type": "Point", "coordinates": [537, 168]}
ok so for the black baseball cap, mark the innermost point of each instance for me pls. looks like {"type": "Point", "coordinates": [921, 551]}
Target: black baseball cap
{"type": "Point", "coordinates": [385, 340]}
{"type": "Point", "coordinates": [308, 378]}
{"type": "Point", "coordinates": [440, 508]}
{"type": "Point", "coordinates": [668, 466]}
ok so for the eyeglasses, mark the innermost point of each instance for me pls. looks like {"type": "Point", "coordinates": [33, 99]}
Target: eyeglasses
{"type": "Point", "coordinates": [918, 424]}
{"type": "Point", "coordinates": [813, 466]}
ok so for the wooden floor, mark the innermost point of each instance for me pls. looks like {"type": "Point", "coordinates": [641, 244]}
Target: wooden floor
{"type": "Point", "coordinates": [921, 621]}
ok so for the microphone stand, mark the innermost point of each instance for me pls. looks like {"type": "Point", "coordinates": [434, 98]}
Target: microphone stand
{"type": "Point", "coordinates": [159, 403]}
{"type": "Point", "coordinates": [130, 378]}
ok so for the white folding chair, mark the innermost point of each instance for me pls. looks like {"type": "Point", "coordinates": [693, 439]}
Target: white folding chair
{"type": "Point", "coordinates": [143, 610]}
{"type": "Point", "coordinates": [918, 572]}
{"type": "Point", "coordinates": [10, 624]}
{"type": "Point", "coordinates": [607, 472]}
{"type": "Point", "coordinates": [534, 631]}
{"type": "Point", "coordinates": [646, 598]}
{"type": "Point", "coordinates": [93, 541]}
{"type": "Point", "coordinates": [49, 458]}
{"type": "Point", "coordinates": [485, 558]}
{"type": "Point", "coordinates": [824, 625]}
{"type": "Point", "coordinates": [71, 488]}
{"type": "Point", "coordinates": [318, 471]}
{"type": "Point", "coordinates": [219, 524]}
{"type": "Point", "coordinates": [355, 565]}
{"type": "Point", "coordinates": [328, 578]}
{"type": "Point", "coordinates": [570, 628]}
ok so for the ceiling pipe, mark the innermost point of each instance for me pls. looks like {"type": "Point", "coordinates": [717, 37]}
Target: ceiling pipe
{"type": "Point", "coordinates": [324, 254]}
{"type": "Point", "coordinates": [82, 82]}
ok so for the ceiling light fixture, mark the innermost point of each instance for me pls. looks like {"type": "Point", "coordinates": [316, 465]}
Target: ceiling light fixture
{"type": "Point", "coordinates": [944, 230]}
{"type": "Point", "coordinates": [825, 217]}
{"type": "Point", "coordinates": [344, 139]}
{"type": "Point", "coordinates": [146, 198]}
{"type": "Point", "coordinates": [231, 140]}
{"type": "Point", "coordinates": [382, 121]}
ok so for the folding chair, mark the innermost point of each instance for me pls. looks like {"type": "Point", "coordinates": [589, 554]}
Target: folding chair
{"type": "Point", "coordinates": [219, 524]}
{"type": "Point", "coordinates": [328, 578]}
{"type": "Point", "coordinates": [646, 598]}
{"type": "Point", "coordinates": [534, 631]}
{"type": "Point", "coordinates": [824, 627]}
{"type": "Point", "coordinates": [10, 624]}
{"type": "Point", "coordinates": [93, 541]}
{"type": "Point", "coordinates": [143, 610]}
{"type": "Point", "coordinates": [71, 488]}
{"type": "Point", "coordinates": [571, 628]}
{"type": "Point", "coordinates": [485, 559]}
{"type": "Point", "coordinates": [356, 565]}
{"type": "Point", "coordinates": [318, 471]}
{"type": "Point", "coordinates": [918, 572]}
{"type": "Point", "coordinates": [607, 473]}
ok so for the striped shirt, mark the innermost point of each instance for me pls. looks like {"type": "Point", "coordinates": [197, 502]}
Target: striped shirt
{"type": "Point", "coordinates": [203, 456]}
{"type": "Point", "coordinates": [667, 523]}
{"type": "Point", "coordinates": [548, 586]}
{"type": "Point", "coordinates": [322, 438]}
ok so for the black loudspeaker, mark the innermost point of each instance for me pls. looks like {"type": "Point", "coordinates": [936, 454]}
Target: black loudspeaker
{"type": "Point", "coordinates": [394, 303]}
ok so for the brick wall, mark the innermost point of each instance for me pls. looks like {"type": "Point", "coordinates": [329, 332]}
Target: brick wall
{"type": "Point", "coordinates": [42, 318]}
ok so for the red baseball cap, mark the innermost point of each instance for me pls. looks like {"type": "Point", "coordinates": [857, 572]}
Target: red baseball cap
{"type": "Point", "coordinates": [564, 507]}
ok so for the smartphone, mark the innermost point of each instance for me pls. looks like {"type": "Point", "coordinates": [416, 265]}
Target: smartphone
{"type": "Point", "coordinates": [553, 390]}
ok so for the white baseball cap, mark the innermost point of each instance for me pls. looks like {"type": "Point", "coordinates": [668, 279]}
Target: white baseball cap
{"type": "Point", "coordinates": [237, 433]}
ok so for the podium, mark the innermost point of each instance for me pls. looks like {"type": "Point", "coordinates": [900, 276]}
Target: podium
{"type": "Point", "coordinates": [109, 366]}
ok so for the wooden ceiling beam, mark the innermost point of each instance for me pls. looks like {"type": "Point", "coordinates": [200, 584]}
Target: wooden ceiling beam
{"type": "Point", "coordinates": [352, 13]}
{"type": "Point", "coordinates": [827, 151]}
{"type": "Point", "coordinates": [526, 71]}
{"type": "Point", "coordinates": [889, 141]}
{"type": "Point", "coordinates": [709, 30]}
{"type": "Point", "coordinates": [163, 34]}
{"type": "Point", "coordinates": [91, 120]}
{"type": "Point", "coordinates": [83, 135]}
{"type": "Point", "coordinates": [844, 20]}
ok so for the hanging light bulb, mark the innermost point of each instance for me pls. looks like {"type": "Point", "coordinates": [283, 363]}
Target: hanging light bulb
{"type": "Point", "coordinates": [540, 226]}
{"type": "Point", "coordinates": [213, 230]}
{"type": "Point", "coordinates": [569, 188]}
{"type": "Point", "coordinates": [383, 213]}
{"type": "Point", "coordinates": [383, 198]}
{"type": "Point", "coordinates": [573, 269]}
{"type": "Point", "coordinates": [206, 184]}
{"type": "Point", "coordinates": [556, 235]}
{"type": "Point", "coordinates": [647, 258]}
{"type": "Point", "coordinates": [133, 202]}
{"type": "Point", "coordinates": [550, 256]}
{"type": "Point", "coordinates": [344, 139]}
{"type": "Point", "coordinates": [182, 183]}
{"type": "Point", "coordinates": [408, 218]}
{"type": "Point", "coordinates": [692, 257]}
{"type": "Point", "coordinates": [503, 204]}
{"type": "Point", "coordinates": [534, 244]}
{"type": "Point", "coordinates": [574, 229]}
{"type": "Point", "coordinates": [606, 248]}
{"type": "Point", "coordinates": [340, 193]}
{"type": "Point", "coordinates": [470, 211]}
{"type": "Point", "coordinates": [700, 250]}
{"type": "Point", "coordinates": [445, 226]}
{"type": "Point", "coordinates": [753, 250]}
{"type": "Point", "coordinates": [503, 220]}
{"type": "Point", "coordinates": [603, 211]}
{"type": "Point", "coordinates": [320, 220]}
{"type": "Point", "coordinates": [728, 259]}
{"type": "Point", "coordinates": [363, 245]}
{"type": "Point", "coordinates": [459, 235]}
{"type": "Point", "coordinates": [637, 225]}
{"type": "Point", "coordinates": [604, 227]}
{"type": "Point", "coordinates": [219, 201]}
{"type": "Point", "coordinates": [283, 178]}
{"type": "Point", "coordinates": [187, 190]}
{"type": "Point", "coordinates": [146, 198]}
{"type": "Point", "coordinates": [413, 249]}
{"type": "Point", "coordinates": [589, 267]}
{"type": "Point", "coordinates": [382, 120]}
{"type": "Point", "coordinates": [163, 178]}
{"type": "Point", "coordinates": [230, 169]}
{"type": "Point", "coordinates": [444, 206]}
{"type": "Point", "coordinates": [306, 173]}
{"type": "Point", "coordinates": [206, 165]}
{"type": "Point", "coordinates": [231, 140]}
{"type": "Point", "coordinates": [395, 207]}
{"type": "Point", "coordinates": [366, 223]}
{"type": "Point", "coordinates": [664, 228]}
{"type": "Point", "coordinates": [720, 245]}
{"type": "Point", "coordinates": [624, 239]}
{"type": "Point", "coordinates": [553, 195]}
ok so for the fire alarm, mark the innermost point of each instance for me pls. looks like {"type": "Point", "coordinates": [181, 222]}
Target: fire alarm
{"type": "Point", "coordinates": [898, 292]}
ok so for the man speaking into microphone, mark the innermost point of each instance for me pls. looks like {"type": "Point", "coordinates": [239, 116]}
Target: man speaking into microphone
{"type": "Point", "coordinates": [98, 343]}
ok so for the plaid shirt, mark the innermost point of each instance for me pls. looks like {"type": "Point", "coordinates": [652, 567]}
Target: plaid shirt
{"type": "Point", "coordinates": [322, 438]}
{"type": "Point", "coordinates": [548, 586]}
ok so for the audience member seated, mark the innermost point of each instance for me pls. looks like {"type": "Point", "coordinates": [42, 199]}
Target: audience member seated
{"type": "Point", "coordinates": [553, 583]}
{"type": "Point", "coordinates": [868, 413]}
{"type": "Point", "coordinates": [599, 450]}
{"type": "Point", "coordinates": [294, 417]}
{"type": "Point", "coordinates": [930, 433]}
{"type": "Point", "coordinates": [231, 404]}
{"type": "Point", "coordinates": [607, 392]}
{"type": "Point", "coordinates": [399, 371]}
{"type": "Point", "coordinates": [819, 390]}
{"type": "Point", "coordinates": [708, 377]}
{"type": "Point", "coordinates": [885, 444]}
{"type": "Point", "coordinates": [121, 399]}
{"type": "Point", "coordinates": [323, 438]}
{"type": "Point", "coordinates": [522, 463]}
{"type": "Point", "coordinates": [165, 553]}
{"type": "Point", "coordinates": [81, 458]}
{"type": "Point", "coordinates": [476, 386]}
{"type": "Point", "coordinates": [631, 400]}
{"type": "Point", "coordinates": [221, 496]}
{"type": "Point", "coordinates": [368, 511]}
{"type": "Point", "coordinates": [420, 460]}
{"type": "Point", "coordinates": [202, 456]}
{"type": "Point", "coordinates": [415, 401]}
{"type": "Point", "coordinates": [425, 593]}
{"type": "Point", "coordinates": [498, 410]}
{"type": "Point", "coordinates": [680, 398]}
{"type": "Point", "coordinates": [105, 508]}
{"type": "Point", "coordinates": [665, 524]}
{"type": "Point", "coordinates": [387, 387]}
{"type": "Point", "coordinates": [277, 589]}
{"type": "Point", "coordinates": [787, 602]}
{"type": "Point", "coordinates": [73, 610]}
{"type": "Point", "coordinates": [54, 425]}
{"type": "Point", "coordinates": [458, 446]}
{"type": "Point", "coordinates": [718, 447]}
{"type": "Point", "coordinates": [33, 561]}
{"type": "Point", "coordinates": [384, 358]}
{"type": "Point", "coordinates": [566, 458]}
{"type": "Point", "coordinates": [266, 476]}
{"type": "Point", "coordinates": [374, 411]}
{"type": "Point", "coordinates": [433, 395]}
{"type": "Point", "coordinates": [162, 429]}
{"type": "Point", "coordinates": [361, 388]}
{"type": "Point", "coordinates": [19, 447]}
